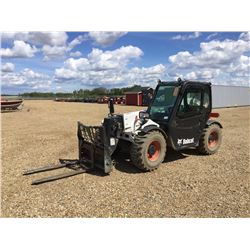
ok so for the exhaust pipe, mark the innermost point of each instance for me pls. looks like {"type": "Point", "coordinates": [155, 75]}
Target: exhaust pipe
{"type": "Point", "coordinates": [111, 106]}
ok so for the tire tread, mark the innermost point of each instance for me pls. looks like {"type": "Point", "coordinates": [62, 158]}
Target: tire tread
{"type": "Point", "coordinates": [136, 151]}
{"type": "Point", "coordinates": [203, 146]}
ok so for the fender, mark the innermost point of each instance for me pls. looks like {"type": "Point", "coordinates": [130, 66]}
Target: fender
{"type": "Point", "coordinates": [153, 127]}
{"type": "Point", "coordinates": [210, 122]}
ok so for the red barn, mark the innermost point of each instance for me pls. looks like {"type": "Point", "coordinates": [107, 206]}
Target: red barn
{"type": "Point", "coordinates": [134, 98]}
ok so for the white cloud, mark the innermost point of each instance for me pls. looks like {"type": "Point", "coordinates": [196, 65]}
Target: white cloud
{"type": "Point", "coordinates": [50, 38]}
{"type": "Point", "coordinates": [54, 44]}
{"type": "Point", "coordinates": [53, 51]}
{"type": "Point", "coordinates": [240, 67]}
{"type": "Point", "coordinates": [110, 68]}
{"type": "Point", "coordinates": [22, 36]}
{"type": "Point", "coordinates": [80, 64]}
{"type": "Point", "coordinates": [104, 38]}
{"type": "Point", "coordinates": [203, 75]}
{"type": "Point", "coordinates": [20, 49]}
{"type": "Point", "coordinates": [75, 54]}
{"type": "Point", "coordinates": [216, 60]}
{"type": "Point", "coordinates": [66, 74]}
{"type": "Point", "coordinates": [211, 36]}
{"type": "Point", "coordinates": [58, 51]}
{"type": "Point", "coordinates": [245, 36]}
{"type": "Point", "coordinates": [157, 69]}
{"type": "Point", "coordinates": [115, 59]}
{"type": "Point", "coordinates": [76, 41]}
{"type": "Point", "coordinates": [26, 78]}
{"type": "Point", "coordinates": [145, 75]}
{"type": "Point", "coordinates": [213, 54]}
{"type": "Point", "coordinates": [38, 38]}
{"type": "Point", "coordinates": [186, 36]}
{"type": "Point", "coordinates": [7, 67]}
{"type": "Point", "coordinates": [99, 60]}
{"type": "Point", "coordinates": [104, 77]}
{"type": "Point", "coordinates": [126, 76]}
{"type": "Point", "coordinates": [30, 74]}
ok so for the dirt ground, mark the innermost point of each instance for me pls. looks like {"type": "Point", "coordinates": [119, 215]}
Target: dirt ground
{"type": "Point", "coordinates": [186, 184]}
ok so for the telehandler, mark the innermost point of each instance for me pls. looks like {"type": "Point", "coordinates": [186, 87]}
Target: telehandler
{"type": "Point", "coordinates": [178, 117]}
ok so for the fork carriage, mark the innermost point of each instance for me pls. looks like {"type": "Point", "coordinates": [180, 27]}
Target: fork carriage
{"type": "Point", "coordinates": [94, 152]}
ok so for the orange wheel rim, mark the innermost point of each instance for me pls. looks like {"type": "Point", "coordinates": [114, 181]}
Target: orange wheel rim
{"type": "Point", "coordinates": [154, 149]}
{"type": "Point", "coordinates": [213, 139]}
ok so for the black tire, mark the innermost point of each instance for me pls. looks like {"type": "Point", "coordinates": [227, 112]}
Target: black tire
{"type": "Point", "coordinates": [210, 140]}
{"type": "Point", "coordinates": [148, 151]}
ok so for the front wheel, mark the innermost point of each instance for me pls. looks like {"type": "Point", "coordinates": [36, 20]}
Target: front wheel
{"type": "Point", "coordinates": [210, 140]}
{"type": "Point", "coordinates": [148, 151]}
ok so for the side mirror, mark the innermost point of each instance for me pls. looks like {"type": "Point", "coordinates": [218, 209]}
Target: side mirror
{"type": "Point", "coordinates": [111, 106]}
{"type": "Point", "coordinates": [143, 115]}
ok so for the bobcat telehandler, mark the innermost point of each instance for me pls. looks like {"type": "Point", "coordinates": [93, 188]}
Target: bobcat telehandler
{"type": "Point", "coordinates": [179, 117]}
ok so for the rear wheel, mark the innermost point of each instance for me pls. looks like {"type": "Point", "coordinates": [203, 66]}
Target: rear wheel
{"type": "Point", "coordinates": [148, 151]}
{"type": "Point", "coordinates": [210, 140]}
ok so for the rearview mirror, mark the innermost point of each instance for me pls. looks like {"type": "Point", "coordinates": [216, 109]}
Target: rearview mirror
{"type": "Point", "coordinates": [143, 115]}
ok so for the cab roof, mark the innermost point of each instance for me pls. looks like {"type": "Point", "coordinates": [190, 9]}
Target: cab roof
{"type": "Point", "coordinates": [180, 82]}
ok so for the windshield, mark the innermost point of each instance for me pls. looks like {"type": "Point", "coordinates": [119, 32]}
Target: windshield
{"type": "Point", "coordinates": [163, 102]}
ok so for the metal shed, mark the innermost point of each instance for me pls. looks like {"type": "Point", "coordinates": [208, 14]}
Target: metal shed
{"type": "Point", "coordinates": [140, 98]}
{"type": "Point", "coordinates": [134, 98]}
{"type": "Point", "coordinates": [230, 96]}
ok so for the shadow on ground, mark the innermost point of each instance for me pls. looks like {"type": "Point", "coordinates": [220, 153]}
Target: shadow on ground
{"type": "Point", "coordinates": [122, 163]}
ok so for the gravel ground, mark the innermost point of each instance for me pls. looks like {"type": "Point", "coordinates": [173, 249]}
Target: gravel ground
{"type": "Point", "coordinates": [186, 184]}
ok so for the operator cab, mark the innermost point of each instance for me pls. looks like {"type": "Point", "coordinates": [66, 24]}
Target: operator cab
{"type": "Point", "coordinates": [163, 101]}
{"type": "Point", "coordinates": [181, 108]}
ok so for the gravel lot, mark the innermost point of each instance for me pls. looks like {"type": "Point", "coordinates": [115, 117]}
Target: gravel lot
{"type": "Point", "coordinates": [186, 184]}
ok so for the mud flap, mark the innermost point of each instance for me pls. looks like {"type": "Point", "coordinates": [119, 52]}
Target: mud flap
{"type": "Point", "coordinates": [94, 147]}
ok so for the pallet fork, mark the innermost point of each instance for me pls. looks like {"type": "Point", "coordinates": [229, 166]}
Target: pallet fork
{"type": "Point", "coordinates": [71, 164]}
{"type": "Point", "coordinates": [94, 152]}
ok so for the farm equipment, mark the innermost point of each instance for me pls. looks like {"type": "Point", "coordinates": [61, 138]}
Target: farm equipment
{"type": "Point", "coordinates": [11, 104]}
{"type": "Point", "coordinates": [179, 117]}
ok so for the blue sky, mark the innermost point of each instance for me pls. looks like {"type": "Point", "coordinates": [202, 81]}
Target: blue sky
{"type": "Point", "coordinates": [65, 61]}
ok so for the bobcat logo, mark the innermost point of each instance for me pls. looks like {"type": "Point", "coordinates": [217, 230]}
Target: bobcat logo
{"type": "Point", "coordinates": [179, 142]}
{"type": "Point", "coordinates": [185, 141]}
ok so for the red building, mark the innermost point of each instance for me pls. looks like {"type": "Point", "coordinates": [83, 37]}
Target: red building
{"type": "Point", "coordinates": [140, 98]}
{"type": "Point", "coordinates": [134, 98]}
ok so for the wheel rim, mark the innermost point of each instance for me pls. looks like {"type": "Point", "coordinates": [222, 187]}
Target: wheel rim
{"type": "Point", "coordinates": [213, 139]}
{"type": "Point", "coordinates": [154, 149]}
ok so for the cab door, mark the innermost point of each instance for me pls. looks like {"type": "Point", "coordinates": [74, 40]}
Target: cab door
{"type": "Point", "coordinates": [190, 117]}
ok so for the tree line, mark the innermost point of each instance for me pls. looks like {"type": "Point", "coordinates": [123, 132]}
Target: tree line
{"type": "Point", "coordinates": [83, 93]}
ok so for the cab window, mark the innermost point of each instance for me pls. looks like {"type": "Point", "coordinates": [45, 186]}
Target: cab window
{"type": "Point", "coordinates": [163, 103]}
{"type": "Point", "coordinates": [206, 100]}
{"type": "Point", "coordinates": [191, 103]}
